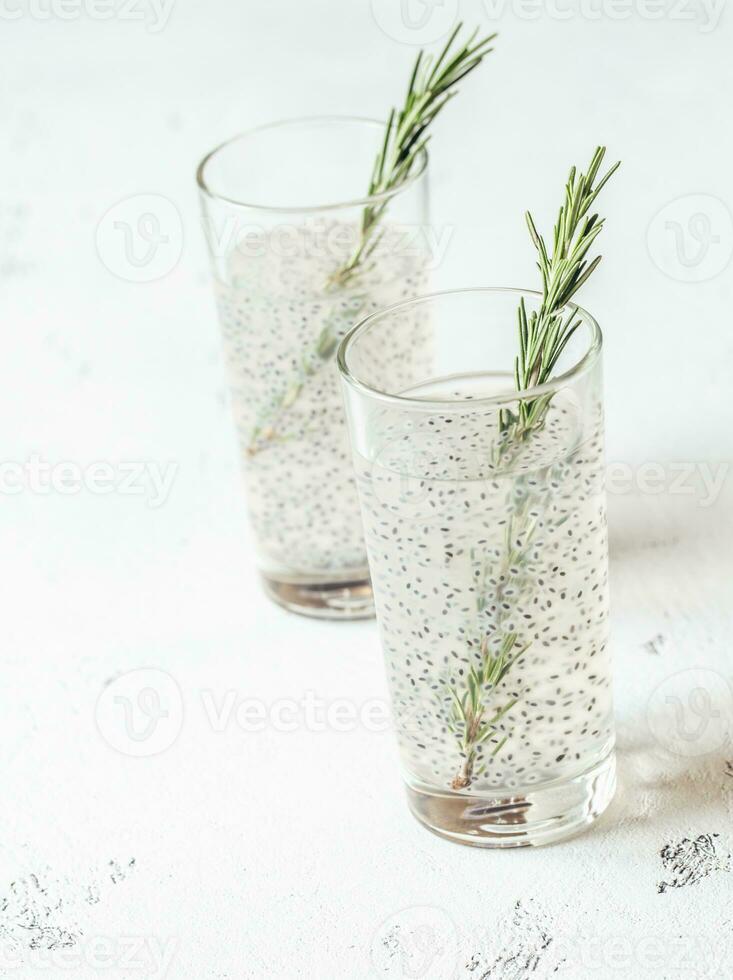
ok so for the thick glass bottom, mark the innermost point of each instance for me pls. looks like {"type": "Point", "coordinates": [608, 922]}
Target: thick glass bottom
{"type": "Point", "coordinates": [544, 815]}
{"type": "Point", "coordinates": [322, 599]}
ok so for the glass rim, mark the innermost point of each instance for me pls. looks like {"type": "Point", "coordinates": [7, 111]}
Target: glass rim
{"type": "Point", "coordinates": [363, 201]}
{"type": "Point", "coordinates": [580, 367]}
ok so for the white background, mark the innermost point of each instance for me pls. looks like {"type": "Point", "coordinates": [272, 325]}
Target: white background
{"type": "Point", "coordinates": [291, 853]}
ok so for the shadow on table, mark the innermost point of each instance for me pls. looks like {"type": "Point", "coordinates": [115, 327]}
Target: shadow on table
{"type": "Point", "coordinates": [657, 787]}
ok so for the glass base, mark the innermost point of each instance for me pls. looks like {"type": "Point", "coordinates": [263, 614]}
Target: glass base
{"type": "Point", "coordinates": [344, 599]}
{"type": "Point", "coordinates": [544, 815]}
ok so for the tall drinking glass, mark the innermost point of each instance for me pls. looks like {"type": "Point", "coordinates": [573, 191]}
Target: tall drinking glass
{"type": "Point", "coordinates": [283, 209]}
{"type": "Point", "coordinates": [488, 553]}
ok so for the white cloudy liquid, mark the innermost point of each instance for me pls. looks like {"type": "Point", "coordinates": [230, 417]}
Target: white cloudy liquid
{"type": "Point", "coordinates": [437, 507]}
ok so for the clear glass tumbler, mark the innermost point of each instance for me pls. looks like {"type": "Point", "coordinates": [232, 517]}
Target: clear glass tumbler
{"type": "Point", "coordinates": [488, 553]}
{"type": "Point", "coordinates": [283, 210]}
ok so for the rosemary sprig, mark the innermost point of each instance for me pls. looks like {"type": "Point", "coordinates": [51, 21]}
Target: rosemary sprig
{"type": "Point", "coordinates": [469, 721]}
{"type": "Point", "coordinates": [268, 428]}
{"type": "Point", "coordinates": [504, 585]}
{"type": "Point", "coordinates": [432, 85]}
{"type": "Point", "coordinates": [544, 333]}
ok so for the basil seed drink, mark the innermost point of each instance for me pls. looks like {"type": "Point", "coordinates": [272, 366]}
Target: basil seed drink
{"type": "Point", "coordinates": [488, 553]}
{"type": "Point", "coordinates": [280, 328]}
{"type": "Point", "coordinates": [292, 274]}
{"type": "Point", "coordinates": [467, 550]}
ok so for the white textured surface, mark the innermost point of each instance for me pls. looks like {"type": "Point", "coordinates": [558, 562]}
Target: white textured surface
{"type": "Point", "coordinates": [291, 853]}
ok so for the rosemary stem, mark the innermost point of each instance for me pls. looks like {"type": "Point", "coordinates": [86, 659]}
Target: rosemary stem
{"type": "Point", "coordinates": [431, 86]}
{"type": "Point", "coordinates": [543, 335]}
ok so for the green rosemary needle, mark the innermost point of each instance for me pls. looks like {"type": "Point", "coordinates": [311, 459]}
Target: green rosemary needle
{"type": "Point", "coordinates": [432, 85]}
